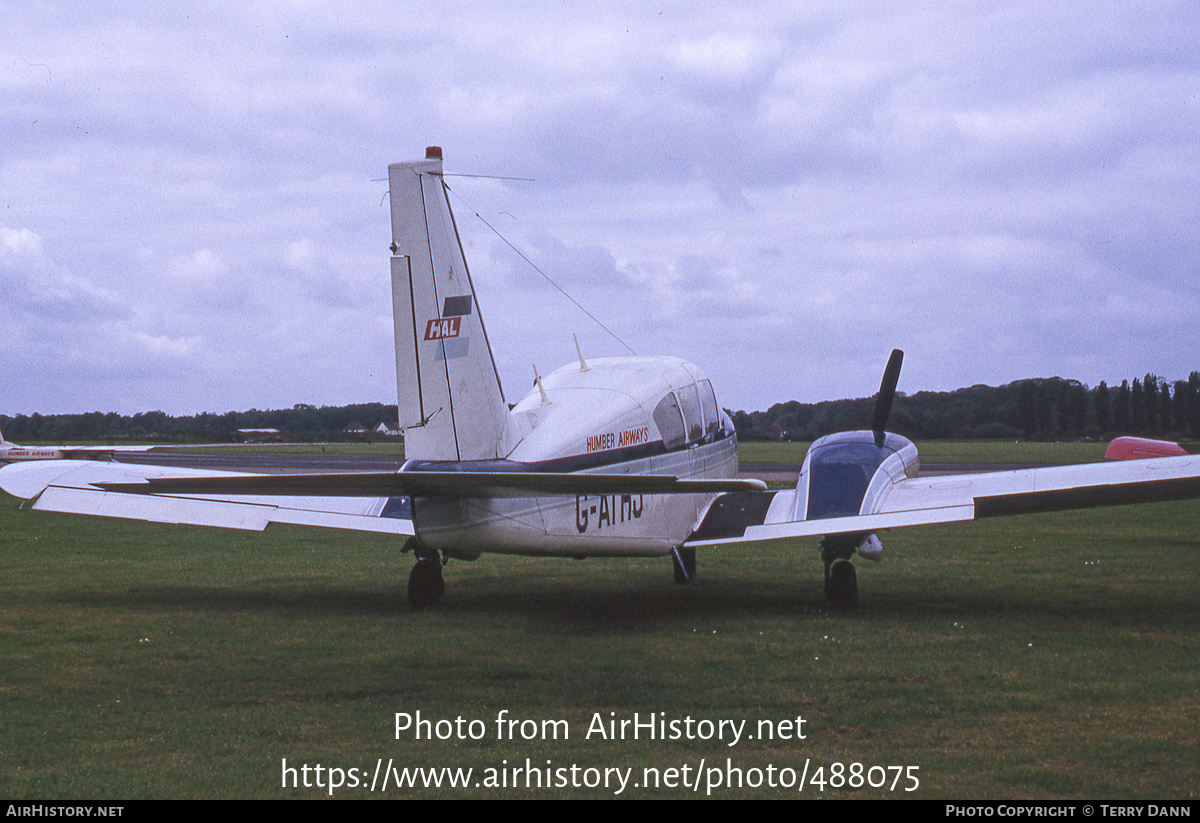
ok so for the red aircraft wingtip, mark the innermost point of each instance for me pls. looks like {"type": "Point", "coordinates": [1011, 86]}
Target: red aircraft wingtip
{"type": "Point", "coordinates": [1139, 448]}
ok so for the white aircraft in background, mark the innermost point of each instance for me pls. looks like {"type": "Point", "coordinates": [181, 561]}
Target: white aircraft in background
{"type": "Point", "coordinates": [621, 456]}
{"type": "Point", "coordinates": [13, 453]}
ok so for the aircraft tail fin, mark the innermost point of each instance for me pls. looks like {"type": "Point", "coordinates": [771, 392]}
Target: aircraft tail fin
{"type": "Point", "coordinates": [451, 404]}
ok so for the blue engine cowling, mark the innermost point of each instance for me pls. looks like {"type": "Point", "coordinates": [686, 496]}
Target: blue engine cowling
{"type": "Point", "coordinates": [848, 473]}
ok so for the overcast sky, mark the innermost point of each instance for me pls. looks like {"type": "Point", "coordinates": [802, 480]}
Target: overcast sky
{"type": "Point", "coordinates": [193, 205]}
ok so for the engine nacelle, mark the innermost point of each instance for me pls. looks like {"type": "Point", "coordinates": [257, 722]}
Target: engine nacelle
{"type": "Point", "coordinates": [849, 473]}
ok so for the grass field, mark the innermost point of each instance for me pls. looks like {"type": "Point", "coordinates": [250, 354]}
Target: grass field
{"type": "Point", "coordinates": [1044, 656]}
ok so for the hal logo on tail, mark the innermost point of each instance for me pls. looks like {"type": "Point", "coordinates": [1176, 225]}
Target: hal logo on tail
{"type": "Point", "coordinates": [441, 328]}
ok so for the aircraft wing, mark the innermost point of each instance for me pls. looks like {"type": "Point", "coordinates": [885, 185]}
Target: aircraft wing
{"type": "Point", "coordinates": [917, 501]}
{"type": "Point", "coordinates": [72, 486]}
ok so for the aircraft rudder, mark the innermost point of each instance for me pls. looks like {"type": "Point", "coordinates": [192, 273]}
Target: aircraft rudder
{"type": "Point", "coordinates": [450, 399]}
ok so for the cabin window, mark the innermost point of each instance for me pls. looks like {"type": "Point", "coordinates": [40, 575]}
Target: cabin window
{"type": "Point", "coordinates": [708, 399]}
{"type": "Point", "coordinates": [669, 421]}
{"type": "Point", "coordinates": [689, 398]}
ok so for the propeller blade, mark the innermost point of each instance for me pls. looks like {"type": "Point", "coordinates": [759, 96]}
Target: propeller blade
{"type": "Point", "coordinates": [887, 392]}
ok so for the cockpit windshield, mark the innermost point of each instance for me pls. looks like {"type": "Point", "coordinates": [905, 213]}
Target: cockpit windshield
{"type": "Point", "coordinates": [689, 398]}
{"type": "Point", "coordinates": [688, 414]}
{"type": "Point", "coordinates": [712, 415]}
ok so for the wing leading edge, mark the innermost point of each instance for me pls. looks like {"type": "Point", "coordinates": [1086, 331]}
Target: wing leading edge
{"type": "Point", "coordinates": [428, 483]}
{"type": "Point", "coordinates": [918, 501]}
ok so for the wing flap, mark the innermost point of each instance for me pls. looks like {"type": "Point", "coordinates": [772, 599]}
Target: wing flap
{"type": "Point", "coordinates": [253, 515]}
{"type": "Point", "coordinates": [153, 509]}
{"type": "Point", "coordinates": [857, 524]}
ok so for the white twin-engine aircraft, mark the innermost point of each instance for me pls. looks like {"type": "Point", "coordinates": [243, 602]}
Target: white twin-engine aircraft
{"type": "Point", "coordinates": [621, 456]}
{"type": "Point", "coordinates": [11, 452]}
{"type": "Point", "coordinates": [15, 453]}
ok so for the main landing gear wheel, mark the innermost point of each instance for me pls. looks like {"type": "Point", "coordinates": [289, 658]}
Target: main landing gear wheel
{"type": "Point", "coordinates": [684, 563]}
{"type": "Point", "coordinates": [841, 585]}
{"type": "Point", "coordinates": [425, 583]}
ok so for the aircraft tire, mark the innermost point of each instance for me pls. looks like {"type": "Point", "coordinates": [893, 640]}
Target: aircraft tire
{"type": "Point", "coordinates": [685, 573]}
{"type": "Point", "coordinates": [841, 587]}
{"type": "Point", "coordinates": [425, 584]}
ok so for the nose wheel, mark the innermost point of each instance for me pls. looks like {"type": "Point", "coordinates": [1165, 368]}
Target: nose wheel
{"type": "Point", "coordinates": [841, 585]}
{"type": "Point", "coordinates": [841, 580]}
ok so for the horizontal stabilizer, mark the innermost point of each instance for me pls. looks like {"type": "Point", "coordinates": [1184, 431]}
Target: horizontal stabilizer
{"type": "Point", "coordinates": [29, 480]}
{"type": "Point", "coordinates": [454, 484]}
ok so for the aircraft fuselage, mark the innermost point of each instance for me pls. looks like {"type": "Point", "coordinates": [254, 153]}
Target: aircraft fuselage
{"type": "Point", "coordinates": [626, 416]}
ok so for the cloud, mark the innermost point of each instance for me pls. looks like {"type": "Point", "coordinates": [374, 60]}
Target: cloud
{"type": "Point", "coordinates": [199, 266]}
{"type": "Point", "coordinates": [1007, 190]}
{"type": "Point", "coordinates": [36, 289]}
{"type": "Point", "coordinates": [17, 244]}
{"type": "Point", "coordinates": [301, 254]}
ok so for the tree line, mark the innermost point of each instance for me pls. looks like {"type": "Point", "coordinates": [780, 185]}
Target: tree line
{"type": "Point", "coordinates": [301, 422]}
{"type": "Point", "coordinates": [1034, 409]}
